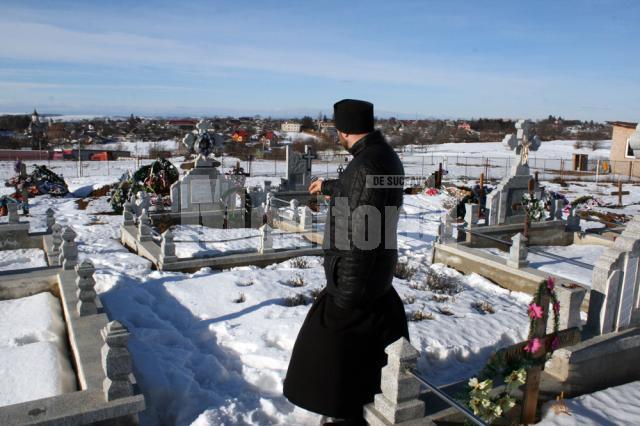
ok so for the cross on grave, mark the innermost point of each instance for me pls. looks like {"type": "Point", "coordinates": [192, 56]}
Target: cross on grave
{"type": "Point", "coordinates": [514, 353]}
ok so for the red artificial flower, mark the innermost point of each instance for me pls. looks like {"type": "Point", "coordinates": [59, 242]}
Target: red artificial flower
{"type": "Point", "coordinates": [555, 343]}
{"type": "Point", "coordinates": [550, 283]}
{"type": "Point", "coordinates": [535, 311]}
{"type": "Point", "coordinates": [556, 308]}
{"type": "Point", "coordinates": [533, 345]}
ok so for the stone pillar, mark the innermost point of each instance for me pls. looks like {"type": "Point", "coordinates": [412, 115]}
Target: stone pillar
{"type": "Point", "coordinates": [51, 220]}
{"type": "Point", "coordinates": [167, 248]}
{"type": "Point", "coordinates": [86, 294]}
{"type": "Point", "coordinates": [471, 214]}
{"type": "Point", "coordinates": [295, 216]}
{"type": "Point", "coordinates": [142, 201]}
{"type": "Point", "coordinates": [56, 241]}
{"type": "Point", "coordinates": [398, 404]}
{"type": "Point", "coordinates": [267, 186]}
{"type": "Point", "coordinates": [557, 210]}
{"type": "Point", "coordinates": [12, 210]}
{"type": "Point", "coordinates": [570, 299]}
{"type": "Point", "coordinates": [128, 219]}
{"type": "Point", "coordinates": [447, 228]}
{"type": "Point", "coordinates": [144, 227]}
{"type": "Point", "coordinates": [266, 239]}
{"type": "Point", "coordinates": [573, 221]}
{"type": "Point", "coordinates": [518, 252]}
{"type": "Point", "coordinates": [306, 220]}
{"type": "Point", "coordinates": [116, 361]}
{"type": "Point", "coordinates": [69, 250]}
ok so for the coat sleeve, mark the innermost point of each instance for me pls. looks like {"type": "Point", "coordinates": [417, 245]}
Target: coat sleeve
{"type": "Point", "coordinates": [327, 186]}
{"type": "Point", "coordinates": [355, 265]}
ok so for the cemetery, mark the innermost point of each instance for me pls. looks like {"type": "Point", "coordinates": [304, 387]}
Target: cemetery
{"type": "Point", "coordinates": [183, 308]}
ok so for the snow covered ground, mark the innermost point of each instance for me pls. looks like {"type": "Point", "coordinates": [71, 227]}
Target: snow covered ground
{"type": "Point", "coordinates": [21, 259]}
{"type": "Point", "coordinates": [213, 242]}
{"type": "Point", "coordinates": [212, 347]}
{"type": "Point", "coordinates": [33, 358]}
{"type": "Point", "coordinates": [553, 259]}
{"type": "Point", "coordinates": [616, 406]}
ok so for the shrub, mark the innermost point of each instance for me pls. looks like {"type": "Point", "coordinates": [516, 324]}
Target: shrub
{"type": "Point", "coordinates": [299, 263]}
{"type": "Point", "coordinates": [240, 299]}
{"type": "Point", "coordinates": [404, 271]}
{"type": "Point", "coordinates": [408, 300]}
{"type": "Point", "coordinates": [440, 298]}
{"type": "Point", "coordinates": [420, 315]}
{"type": "Point", "coordinates": [483, 307]}
{"type": "Point", "coordinates": [442, 284]}
{"type": "Point", "coordinates": [297, 281]}
{"type": "Point", "coordinates": [296, 300]}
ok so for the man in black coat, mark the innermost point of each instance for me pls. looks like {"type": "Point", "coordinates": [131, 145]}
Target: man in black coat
{"type": "Point", "coordinates": [336, 361]}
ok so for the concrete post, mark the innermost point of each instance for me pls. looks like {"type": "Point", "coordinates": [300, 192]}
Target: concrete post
{"type": "Point", "coordinates": [306, 220]}
{"type": "Point", "coordinates": [51, 220]}
{"type": "Point", "coordinates": [86, 294]}
{"type": "Point", "coordinates": [167, 248]}
{"type": "Point", "coordinates": [12, 210]}
{"type": "Point", "coordinates": [142, 201]}
{"type": "Point", "coordinates": [573, 221]}
{"type": "Point", "coordinates": [144, 227]}
{"type": "Point", "coordinates": [471, 214]}
{"type": "Point", "coordinates": [128, 219]}
{"type": "Point", "coordinates": [518, 251]}
{"type": "Point", "coordinates": [570, 299]}
{"type": "Point", "coordinates": [116, 361]}
{"type": "Point", "coordinates": [69, 250]}
{"type": "Point", "coordinates": [558, 207]}
{"type": "Point", "coordinates": [56, 241]}
{"type": "Point", "coordinates": [266, 239]}
{"type": "Point", "coordinates": [295, 216]}
{"type": "Point", "coordinates": [398, 404]}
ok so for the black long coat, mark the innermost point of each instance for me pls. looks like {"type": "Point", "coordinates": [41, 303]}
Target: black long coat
{"type": "Point", "coordinates": [336, 361]}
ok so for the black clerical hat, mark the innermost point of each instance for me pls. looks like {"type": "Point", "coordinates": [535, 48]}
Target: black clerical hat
{"type": "Point", "coordinates": [353, 116]}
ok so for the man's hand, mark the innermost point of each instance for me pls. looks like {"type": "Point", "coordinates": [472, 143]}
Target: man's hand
{"type": "Point", "coordinates": [315, 187]}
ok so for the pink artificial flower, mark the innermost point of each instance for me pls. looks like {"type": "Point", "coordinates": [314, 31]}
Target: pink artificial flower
{"type": "Point", "coordinates": [550, 283]}
{"type": "Point", "coordinates": [535, 311]}
{"type": "Point", "coordinates": [556, 308]}
{"type": "Point", "coordinates": [533, 346]}
{"type": "Point", "coordinates": [555, 343]}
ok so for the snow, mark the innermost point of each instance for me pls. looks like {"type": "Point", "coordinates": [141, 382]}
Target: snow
{"type": "Point", "coordinates": [201, 358]}
{"type": "Point", "coordinates": [33, 357]}
{"type": "Point", "coordinates": [139, 148]}
{"type": "Point", "coordinates": [209, 242]}
{"type": "Point", "coordinates": [619, 405]}
{"type": "Point", "coordinates": [21, 259]}
{"type": "Point", "coordinates": [546, 258]}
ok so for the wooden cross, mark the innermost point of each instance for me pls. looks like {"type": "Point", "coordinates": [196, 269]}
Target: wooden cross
{"type": "Point", "coordinates": [568, 337]}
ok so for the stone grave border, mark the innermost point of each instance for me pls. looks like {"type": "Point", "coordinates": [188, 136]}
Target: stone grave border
{"type": "Point", "coordinates": [102, 363]}
{"type": "Point", "coordinates": [15, 234]}
{"type": "Point", "coordinates": [137, 234]}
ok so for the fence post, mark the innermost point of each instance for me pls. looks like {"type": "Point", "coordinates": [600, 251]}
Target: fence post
{"type": "Point", "coordinates": [69, 250]}
{"type": "Point", "coordinates": [399, 401]}
{"type": "Point", "coordinates": [116, 361]}
{"type": "Point", "coordinates": [86, 294]}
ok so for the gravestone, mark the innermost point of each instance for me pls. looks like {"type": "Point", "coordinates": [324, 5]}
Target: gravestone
{"type": "Point", "coordinates": [203, 189]}
{"type": "Point", "coordinates": [298, 169]}
{"type": "Point", "coordinates": [614, 302]}
{"type": "Point", "coordinates": [266, 239]}
{"type": "Point", "coordinates": [504, 203]}
{"type": "Point", "coordinates": [518, 251]}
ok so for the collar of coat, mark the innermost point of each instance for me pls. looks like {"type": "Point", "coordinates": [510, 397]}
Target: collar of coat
{"type": "Point", "coordinates": [366, 141]}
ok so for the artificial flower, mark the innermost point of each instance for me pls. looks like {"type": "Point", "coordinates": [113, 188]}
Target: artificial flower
{"type": "Point", "coordinates": [556, 307]}
{"type": "Point", "coordinates": [533, 345]}
{"type": "Point", "coordinates": [535, 311]}
{"type": "Point", "coordinates": [550, 283]}
{"type": "Point", "coordinates": [555, 343]}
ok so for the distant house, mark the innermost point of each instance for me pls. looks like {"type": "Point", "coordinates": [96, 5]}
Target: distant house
{"type": "Point", "coordinates": [289, 126]}
{"type": "Point", "coordinates": [625, 148]}
{"type": "Point", "coordinates": [183, 124]}
{"type": "Point", "coordinates": [464, 126]}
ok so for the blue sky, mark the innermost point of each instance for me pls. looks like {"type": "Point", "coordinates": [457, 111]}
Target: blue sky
{"type": "Point", "coordinates": [575, 58]}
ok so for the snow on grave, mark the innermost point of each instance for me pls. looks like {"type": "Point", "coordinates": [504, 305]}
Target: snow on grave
{"type": "Point", "coordinates": [21, 259]}
{"type": "Point", "coordinates": [34, 362]}
{"type": "Point", "coordinates": [199, 241]}
{"type": "Point", "coordinates": [619, 405]}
